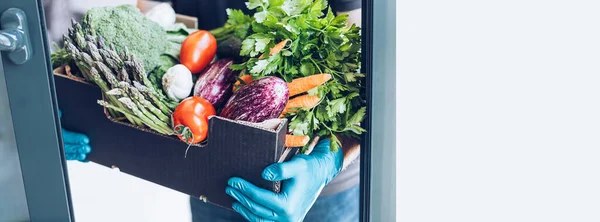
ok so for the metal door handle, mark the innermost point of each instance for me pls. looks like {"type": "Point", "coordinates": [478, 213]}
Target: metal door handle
{"type": "Point", "coordinates": [14, 36]}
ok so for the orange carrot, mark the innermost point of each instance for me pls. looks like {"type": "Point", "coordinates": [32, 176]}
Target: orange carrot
{"type": "Point", "coordinates": [296, 141]}
{"type": "Point", "coordinates": [276, 49]}
{"type": "Point", "coordinates": [303, 101]}
{"type": "Point", "coordinates": [304, 84]}
{"type": "Point", "coordinates": [247, 79]}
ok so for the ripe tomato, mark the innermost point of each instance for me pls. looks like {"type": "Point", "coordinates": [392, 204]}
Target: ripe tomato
{"type": "Point", "coordinates": [190, 119]}
{"type": "Point", "coordinates": [198, 50]}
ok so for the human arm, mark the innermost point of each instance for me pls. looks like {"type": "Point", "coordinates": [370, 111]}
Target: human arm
{"type": "Point", "coordinates": [351, 150]}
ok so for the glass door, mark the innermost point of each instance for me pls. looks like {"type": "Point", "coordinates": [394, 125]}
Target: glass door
{"type": "Point", "coordinates": [30, 127]}
{"type": "Point", "coordinates": [29, 111]}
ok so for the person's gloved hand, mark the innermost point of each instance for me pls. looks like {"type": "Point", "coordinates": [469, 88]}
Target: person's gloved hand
{"type": "Point", "coordinates": [302, 178]}
{"type": "Point", "coordinates": [76, 145]}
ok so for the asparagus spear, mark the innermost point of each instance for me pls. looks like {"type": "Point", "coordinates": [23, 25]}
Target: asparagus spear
{"type": "Point", "coordinates": [112, 72]}
{"type": "Point", "coordinates": [152, 95]}
{"type": "Point", "coordinates": [147, 121]}
{"type": "Point", "coordinates": [133, 93]}
{"type": "Point", "coordinates": [86, 61]}
{"type": "Point", "coordinates": [140, 97]}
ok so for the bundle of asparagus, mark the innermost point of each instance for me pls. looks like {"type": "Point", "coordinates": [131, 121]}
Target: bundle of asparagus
{"type": "Point", "coordinates": [136, 99]}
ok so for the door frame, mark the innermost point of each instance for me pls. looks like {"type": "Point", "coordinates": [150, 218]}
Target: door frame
{"type": "Point", "coordinates": [33, 107]}
{"type": "Point", "coordinates": [378, 146]}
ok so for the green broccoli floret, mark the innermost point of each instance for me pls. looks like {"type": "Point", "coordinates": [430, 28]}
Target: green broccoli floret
{"type": "Point", "coordinates": [125, 26]}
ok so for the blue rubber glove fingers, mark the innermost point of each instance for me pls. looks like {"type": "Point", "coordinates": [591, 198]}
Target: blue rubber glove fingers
{"type": "Point", "coordinates": [286, 170]}
{"type": "Point", "coordinates": [257, 204]}
{"type": "Point", "coordinates": [76, 156]}
{"type": "Point", "coordinates": [247, 207]}
{"type": "Point", "coordinates": [74, 138]}
{"type": "Point", "coordinates": [321, 163]}
{"type": "Point", "coordinates": [76, 145]}
{"type": "Point", "coordinates": [302, 178]}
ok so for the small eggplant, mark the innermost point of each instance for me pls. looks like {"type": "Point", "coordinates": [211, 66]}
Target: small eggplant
{"type": "Point", "coordinates": [260, 100]}
{"type": "Point", "coordinates": [215, 82]}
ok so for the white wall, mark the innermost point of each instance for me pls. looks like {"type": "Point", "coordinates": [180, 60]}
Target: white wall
{"type": "Point", "coordinates": [101, 194]}
{"type": "Point", "coordinates": [500, 112]}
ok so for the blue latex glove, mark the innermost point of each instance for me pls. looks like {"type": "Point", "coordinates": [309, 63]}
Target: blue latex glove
{"type": "Point", "coordinates": [76, 145]}
{"type": "Point", "coordinates": [302, 178]}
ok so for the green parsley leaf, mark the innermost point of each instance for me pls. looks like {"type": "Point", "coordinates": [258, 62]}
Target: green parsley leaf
{"type": "Point", "coordinates": [275, 3]}
{"type": "Point", "coordinates": [355, 129]}
{"type": "Point", "coordinates": [242, 31]}
{"type": "Point", "coordinates": [316, 10]}
{"type": "Point", "coordinates": [260, 16]}
{"type": "Point", "coordinates": [276, 13]}
{"type": "Point", "coordinates": [307, 68]}
{"type": "Point", "coordinates": [273, 62]}
{"type": "Point", "coordinates": [298, 126]}
{"type": "Point", "coordinates": [334, 143]}
{"type": "Point", "coordinates": [313, 92]}
{"type": "Point", "coordinates": [247, 46]}
{"type": "Point", "coordinates": [294, 7]}
{"type": "Point", "coordinates": [358, 116]}
{"type": "Point", "coordinates": [321, 113]}
{"type": "Point", "coordinates": [237, 67]}
{"type": "Point", "coordinates": [258, 27]}
{"type": "Point", "coordinates": [259, 66]}
{"type": "Point", "coordinates": [237, 17]}
{"type": "Point", "coordinates": [335, 126]}
{"type": "Point", "coordinates": [339, 21]}
{"type": "Point", "coordinates": [336, 106]}
{"type": "Point", "coordinates": [252, 4]}
{"type": "Point", "coordinates": [350, 77]}
{"type": "Point", "coordinates": [260, 45]}
{"type": "Point", "coordinates": [329, 16]}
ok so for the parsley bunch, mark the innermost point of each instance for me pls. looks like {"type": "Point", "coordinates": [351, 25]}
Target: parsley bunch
{"type": "Point", "coordinates": [318, 43]}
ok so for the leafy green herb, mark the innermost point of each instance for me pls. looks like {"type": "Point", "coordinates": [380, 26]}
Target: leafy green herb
{"type": "Point", "coordinates": [320, 43]}
{"type": "Point", "coordinates": [59, 57]}
{"type": "Point", "coordinates": [238, 25]}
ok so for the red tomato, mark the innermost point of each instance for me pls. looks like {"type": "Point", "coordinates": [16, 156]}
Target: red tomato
{"type": "Point", "coordinates": [198, 50]}
{"type": "Point", "coordinates": [192, 113]}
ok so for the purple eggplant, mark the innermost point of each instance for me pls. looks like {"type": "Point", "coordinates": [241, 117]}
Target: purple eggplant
{"type": "Point", "coordinates": [215, 82]}
{"type": "Point", "coordinates": [260, 100]}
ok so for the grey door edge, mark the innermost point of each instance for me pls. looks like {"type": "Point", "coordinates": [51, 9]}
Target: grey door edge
{"type": "Point", "coordinates": [36, 125]}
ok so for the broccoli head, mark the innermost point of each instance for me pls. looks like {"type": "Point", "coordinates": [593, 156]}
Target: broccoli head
{"type": "Point", "coordinates": [126, 27]}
